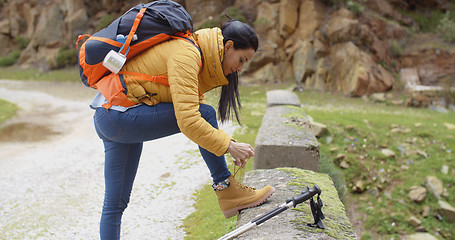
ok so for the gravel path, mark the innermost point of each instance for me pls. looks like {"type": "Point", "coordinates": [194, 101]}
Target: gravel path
{"type": "Point", "coordinates": [51, 171]}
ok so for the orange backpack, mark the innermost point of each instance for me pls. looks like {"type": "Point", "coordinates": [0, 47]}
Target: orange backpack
{"type": "Point", "coordinates": [103, 54]}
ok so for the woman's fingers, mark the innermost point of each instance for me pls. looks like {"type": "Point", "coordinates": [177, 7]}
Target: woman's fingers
{"type": "Point", "coordinates": [241, 152]}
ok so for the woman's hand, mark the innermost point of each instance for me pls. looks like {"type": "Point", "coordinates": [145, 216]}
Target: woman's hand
{"type": "Point", "coordinates": [240, 152]}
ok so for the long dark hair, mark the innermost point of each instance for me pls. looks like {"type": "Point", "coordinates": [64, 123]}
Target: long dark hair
{"type": "Point", "coordinates": [244, 37]}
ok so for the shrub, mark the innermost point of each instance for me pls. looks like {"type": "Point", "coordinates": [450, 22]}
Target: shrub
{"type": "Point", "coordinates": [21, 42]}
{"type": "Point", "coordinates": [354, 7]}
{"type": "Point", "coordinates": [232, 12]}
{"type": "Point", "coordinates": [10, 59]}
{"type": "Point", "coordinates": [426, 19]}
{"type": "Point", "coordinates": [446, 28]}
{"type": "Point", "coordinates": [65, 57]}
{"type": "Point", "coordinates": [396, 48]}
{"type": "Point", "coordinates": [104, 21]}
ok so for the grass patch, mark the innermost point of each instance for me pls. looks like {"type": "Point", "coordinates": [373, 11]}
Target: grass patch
{"type": "Point", "coordinates": [420, 138]}
{"type": "Point", "coordinates": [7, 110]}
{"type": "Point", "coordinates": [422, 145]}
{"type": "Point", "coordinates": [61, 75]}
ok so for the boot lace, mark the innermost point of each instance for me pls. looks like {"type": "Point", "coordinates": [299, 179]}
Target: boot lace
{"type": "Point", "coordinates": [243, 187]}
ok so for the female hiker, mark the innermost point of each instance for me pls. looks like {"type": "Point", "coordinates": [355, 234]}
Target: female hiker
{"type": "Point", "coordinates": [165, 110]}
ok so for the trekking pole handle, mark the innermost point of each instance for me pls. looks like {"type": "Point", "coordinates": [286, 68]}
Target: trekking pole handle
{"type": "Point", "coordinates": [309, 193]}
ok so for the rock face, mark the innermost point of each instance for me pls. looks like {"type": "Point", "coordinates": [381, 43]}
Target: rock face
{"type": "Point", "coordinates": [292, 224]}
{"type": "Point", "coordinates": [306, 41]}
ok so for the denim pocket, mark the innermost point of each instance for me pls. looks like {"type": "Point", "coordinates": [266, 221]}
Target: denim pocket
{"type": "Point", "coordinates": [105, 124]}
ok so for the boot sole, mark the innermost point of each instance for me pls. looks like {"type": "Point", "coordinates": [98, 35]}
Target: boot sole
{"type": "Point", "coordinates": [234, 211]}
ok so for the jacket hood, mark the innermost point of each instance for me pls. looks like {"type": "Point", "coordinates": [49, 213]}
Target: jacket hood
{"type": "Point", "coordinates": [210, 41]}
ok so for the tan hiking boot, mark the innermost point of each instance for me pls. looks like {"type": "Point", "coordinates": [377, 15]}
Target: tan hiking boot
{"type": "Point", "coordinates": [234, 196]}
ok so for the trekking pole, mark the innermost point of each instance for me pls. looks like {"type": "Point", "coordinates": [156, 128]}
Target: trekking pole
{"type": "Point", "coordinates": [290, 202]}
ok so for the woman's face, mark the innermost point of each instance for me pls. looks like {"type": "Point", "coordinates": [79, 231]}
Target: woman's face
{"type": "Point", "coordinates": [234, 59]}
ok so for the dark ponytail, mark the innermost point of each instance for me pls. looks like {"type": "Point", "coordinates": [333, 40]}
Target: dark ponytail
{"type": "Point", "coordinates": [244, 37]}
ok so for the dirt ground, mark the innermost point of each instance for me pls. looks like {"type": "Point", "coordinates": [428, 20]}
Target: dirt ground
{"type": "Point", "coordinates": [51, 171]}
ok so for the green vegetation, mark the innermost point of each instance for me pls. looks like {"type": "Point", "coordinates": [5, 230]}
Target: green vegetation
{"type": "Point", "coordinates": [104, 22]}
{"type": "Point", "coordinates": [232, 12]}
{"type": "Point", "coordinates": [435, 21]}
{"type": "Point", "coordinates": [422, 144]}
{"type": "Point", "coordinates": [64, 74]}
{"type": "Point", "coordinates": [22, 42]}
{"type": "Point", "coordinates": [447, 27]}
{"type": "Point", "coordinates": [355, 7]}
{"type": "Point", "coordinates": [11, 58]}
{"type": "Point", "coordinates": [7, 110]}
{"type": "Point", "coordinates": [66, 57]}
{"type": "Point", "coordinates": [420, 138]}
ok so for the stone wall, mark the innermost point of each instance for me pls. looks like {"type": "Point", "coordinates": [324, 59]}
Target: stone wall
{"type": "Point", "coordinates": [287, 157]}
{"type": "Point", "coordinates": [292, 223]}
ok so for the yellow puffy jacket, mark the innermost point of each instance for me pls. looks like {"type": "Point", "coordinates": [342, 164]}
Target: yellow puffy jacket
{"type": "Point", "coordinates": [180, 61]}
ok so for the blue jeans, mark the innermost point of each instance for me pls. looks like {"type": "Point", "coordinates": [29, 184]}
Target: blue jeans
{"type": "Point", "coordinates": [123, 134]}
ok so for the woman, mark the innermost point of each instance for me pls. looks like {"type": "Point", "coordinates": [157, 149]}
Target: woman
{"type": "Point", "coordinates": [166, 110]}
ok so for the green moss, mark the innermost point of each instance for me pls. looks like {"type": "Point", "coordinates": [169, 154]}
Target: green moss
{"type": "Point", "coordinates": [336, 222]}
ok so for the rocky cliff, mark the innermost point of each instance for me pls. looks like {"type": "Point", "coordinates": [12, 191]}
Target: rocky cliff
{"type": "Point", "coordinates": [353, 47]}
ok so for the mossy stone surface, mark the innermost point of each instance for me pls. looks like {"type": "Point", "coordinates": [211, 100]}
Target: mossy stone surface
{"type": "Point", "coordinates": [292, 223]}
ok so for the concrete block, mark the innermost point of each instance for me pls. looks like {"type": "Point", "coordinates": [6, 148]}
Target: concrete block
{"type": "Point", "coordinates": [285, 139]}
{"type": "Point", "coordinates": [292, 224]}
{"type": "Point", "coordinates": [282, 97]}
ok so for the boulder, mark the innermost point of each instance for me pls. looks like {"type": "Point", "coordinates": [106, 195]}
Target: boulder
{"type": "Point", "coordinates": [414, 221]}
{"type": "Point", "coordinates": [292, 224]}
{"type": "Point", "coordinates": [340, 29]}
{"type": "Point", "coordinates": [354, 72]}
{"type": "Point", "coordinates": [388, 153]}
{"type": "Point", "coordinates": [319, 129]}
{"type": "Point", "coordinates": [447, 210]}
{"type": "Point", "coordinates": [434, 185]}
{"type": "Point", "coordinates": [281, 142]}
{"type": "Point", "coordinates": [417, 193]}
{"type": "Point", "coordinates": [420, 236]}
{"type": "Point", "coordinates": [409, 77]}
